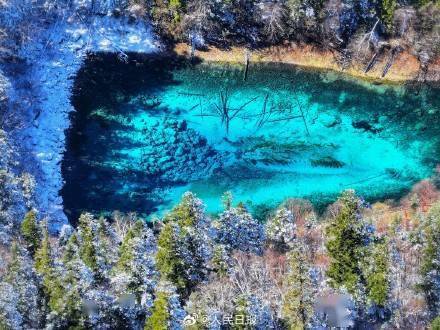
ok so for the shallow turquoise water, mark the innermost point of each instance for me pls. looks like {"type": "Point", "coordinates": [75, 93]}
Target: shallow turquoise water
{"type": "Point", "coordinates": [147, 131]}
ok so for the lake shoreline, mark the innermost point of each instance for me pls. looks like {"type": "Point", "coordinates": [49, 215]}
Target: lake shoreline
{"type": "Point", "coordinates": [405, 69]}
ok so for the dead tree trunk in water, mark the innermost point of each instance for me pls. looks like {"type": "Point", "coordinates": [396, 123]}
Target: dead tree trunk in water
{"type": "Point", "coordinates": [246, 64]}
{"type": "Point", "coordinates": [303, 116]}
{"type": "Point", "coordinates": [394, 52]}
{"type": "Point", "coordinates": [226, 113]}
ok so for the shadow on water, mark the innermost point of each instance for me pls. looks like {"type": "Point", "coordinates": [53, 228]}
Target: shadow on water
{"type": "Point", "coordinates": [105, 81]}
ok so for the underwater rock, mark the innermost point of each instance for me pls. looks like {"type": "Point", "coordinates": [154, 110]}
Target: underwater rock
{"type": "Point", "coordinates": [330, 122]}
{"type": "Point", "coordinates": [181, 154]}
{"type": "Point", "coordinates": [366, 126]}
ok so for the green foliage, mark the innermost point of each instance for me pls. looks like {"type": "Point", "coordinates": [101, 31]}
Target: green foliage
{"type": "Point", "coordinates": [240, 314]}
{"type": "Point", "coordinates": [377, 282]}
{"type": "Point", "coordinates": [387, 13]}
{"type": "Point", "coordinates": [159, 313]}
{"type": "Point", "coordinates": [435, 324]}
{"type": "Point", "coordinates": [297, 307]}
{"type": "Point", "coordinates": [176, 8]}
{"type": "Point", "coordinates": [87, 249]}
{"type": "Point", "coordinates": [430, 265]}
{"type": "Point", "coordinates": [181, 245]}
{"type": "Point", "coordinates": [346, 244]}
{"type": "Point", "coordinates": [52, 284]}
{"type": "Point", "coordinates": [126, 251]}
{"type": "Point", "coordinates": [186, 213]}
{"type": "Point", "coordinates": [31, 232]}
{"type": "Point", "coordinates": [168, 260]}
{"type": "Point", "coordinates": [220, 260]}
{"type": "Point", "coordinates": [43, 256]}
{"type": "Point", "coordinates": [227, 200]}
{"type": "Point", "coordinates": [167, 16]}
{"type": "Point", "coordinates": [14, 264]}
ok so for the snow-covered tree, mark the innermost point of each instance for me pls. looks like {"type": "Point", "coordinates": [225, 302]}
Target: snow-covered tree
{"type": "Point", "coordinates": [31, 232]}
{"type": "Point", "coordinates": [184, 245]}
{"type": "Point", "coordinates": [166, 312]}
{"type": "Point", "coordinates": [280, 229]}
{"type": "Point", "coordinates": [347, 237]}
{"type": "Point", "coordinates": [238, 230]}
{"type": "Point", "coordinates": [25, 284]}
{"type": "Point", "coordinates": [300, 290]}
{"type": "Point", "coordinates": [430, 267]}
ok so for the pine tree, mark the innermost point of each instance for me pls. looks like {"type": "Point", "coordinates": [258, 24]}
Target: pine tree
{"type": "Point", "coordinates": [136, 261]}
{"type": "Point", "coordinates": [72, 282]}
{"type": "Point", "coordinates": [387, 13]}
{"type": "Point", "coordinates": [376, 274]}
{"type": "Point", "coordinates": [169, 261]}
{"type": "Point", "coordinates": [52, 285]}
{"type": "Point", "coordinates": [87, 248]}
{"type": "Point", "coordinates": [43, 256]}
{"type": "Point", "coordinates": [430, 267]}
{"type": "Point", "coordinates": [159, 313]}
{"type": "Point", "coordinates": [298, 300]}
{"type": "Point", "coordinates": [166, 312]}
{"type": "Point", "coordinates": [184, 245]}
{"type": "Point", "coordinates": [347, 238]}
{"type": "Point", "coordinates": [280, 229]}
{"type": "Point", "coordinates": [435, 324]}
{"type": "Point", "coordinates": [22, 277]}
{"type": "Point", "coordinates": [238, 230]}
{"type": "Point", "coordinates": [31, 232]}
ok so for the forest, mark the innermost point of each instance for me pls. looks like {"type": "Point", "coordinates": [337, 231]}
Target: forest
{"type": "Point", "coordinates": [351, 265]}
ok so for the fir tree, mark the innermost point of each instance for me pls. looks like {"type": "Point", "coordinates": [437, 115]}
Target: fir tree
{"type": "Point", "coordinates": [430, 267]}
{"type": "Point", "coordinates": [169, 261]}
{"type": "Point", "coordinates": [44, 266]}
{"type": "Point", "coordinates": [87, 248]}
{"type": "Point", "coordinates": [280, 229]}
{"type": "Point", "coordinates": [184, 245]}
{"type": "Point", "coordinates": [376, 274]}
{"type": "Point", "coordinates": [22, 277]}
{"type": "Point", "coordinates": [435, 324]}
{"type": "Point", "coordinates": [237, 229]}
{"type": "Point", "coordinates": [297, 307]}
{"type": "Point", "coordinates": [346, 243]}
{"type": "Point", "coordinates": [166, 312]}
{"type": "Point", "coordinates": [31, 232]}
{"type": "Point", "coordinates": [43, 256]}
{"type": "Point", "coordinates": [136, 261]}
{"type": "Point", "coordinates": [159, 313]}
{"type": "Point", "coordinates": [387, 13]}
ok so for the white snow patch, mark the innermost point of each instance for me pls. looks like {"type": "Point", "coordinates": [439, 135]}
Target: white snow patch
{"type": "Point", "coordinates": [54, 60]}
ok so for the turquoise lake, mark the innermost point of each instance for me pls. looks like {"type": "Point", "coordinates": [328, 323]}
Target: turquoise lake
{"type": "Point", "coordinates": [147, 131]}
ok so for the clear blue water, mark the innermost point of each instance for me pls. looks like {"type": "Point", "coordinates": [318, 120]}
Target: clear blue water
{"type": "Point", "coordinates": [147, 131]}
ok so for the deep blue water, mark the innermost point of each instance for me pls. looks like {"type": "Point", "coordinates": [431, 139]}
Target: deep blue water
{"type": "Point", "coordinates": [149, 130]}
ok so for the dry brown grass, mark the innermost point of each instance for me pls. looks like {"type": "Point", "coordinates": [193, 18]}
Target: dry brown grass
{"type": "Point", "coordinates": [405, 67]}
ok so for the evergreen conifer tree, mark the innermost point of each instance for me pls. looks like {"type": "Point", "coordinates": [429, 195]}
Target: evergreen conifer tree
{"type": "Point", "coordinates": [347, 238]}
{"type": "Point", "coordinates": [430, 267]}
{"type": "Point", "coordinates": [31, 232]}
{"type": "Point", "coordinates": [159, 313]}
{"type": "Point", "coordinates": [184, 245]}
{"type": "Point", "coordinates": [87, 247]}
{"type": "Point", "coordinates": [376, 274]}
{"type": "Point", "coordinates": [297, 307]}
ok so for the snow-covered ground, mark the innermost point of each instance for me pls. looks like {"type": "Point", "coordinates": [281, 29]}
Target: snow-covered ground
{"type": "Point", "coordinates": [53, 60]}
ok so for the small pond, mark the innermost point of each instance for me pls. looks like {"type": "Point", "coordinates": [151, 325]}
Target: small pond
{"type": "Point", "coordinates": [148, 130]}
